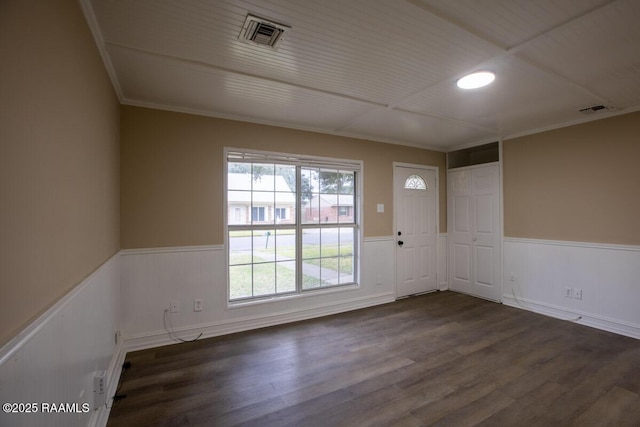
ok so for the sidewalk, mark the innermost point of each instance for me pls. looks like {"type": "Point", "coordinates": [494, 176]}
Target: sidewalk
{"type": "Point", "coordinates": [326, 275]}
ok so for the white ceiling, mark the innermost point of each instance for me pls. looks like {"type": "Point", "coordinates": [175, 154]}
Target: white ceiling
{"type": "Point", "coordinates": [378, 69]}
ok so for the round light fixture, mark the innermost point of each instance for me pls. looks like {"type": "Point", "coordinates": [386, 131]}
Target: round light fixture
{"type": "Point", "coordinates": [476, 80]}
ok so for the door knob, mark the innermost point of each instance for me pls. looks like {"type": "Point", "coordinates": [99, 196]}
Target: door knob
{"type": "Point", "coordinates": [400, 243]}
{"type": "Point", "coordinates": [475, 238]}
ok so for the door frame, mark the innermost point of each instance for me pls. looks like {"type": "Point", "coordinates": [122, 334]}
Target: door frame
{"type": "Point", "coordinates": [435, 169]}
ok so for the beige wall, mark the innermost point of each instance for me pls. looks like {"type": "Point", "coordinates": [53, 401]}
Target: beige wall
{"type": "Point", "coordinates": [578, 183]}
{"type": "Point", "coordinates": [172, 172]}
{"type": "Point", "coordinates": [59, 173]}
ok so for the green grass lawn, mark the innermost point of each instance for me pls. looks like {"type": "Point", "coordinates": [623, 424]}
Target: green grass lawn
{"type": "Point", "coordinates": [269, 278]}
{"type": "Point", "coordinates": [261, 279]}
{"type": "Point", "coordinates": [331, 257]}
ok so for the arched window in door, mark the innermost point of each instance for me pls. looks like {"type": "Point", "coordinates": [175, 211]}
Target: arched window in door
{"type": "Point", "coordinates": [415, 182]}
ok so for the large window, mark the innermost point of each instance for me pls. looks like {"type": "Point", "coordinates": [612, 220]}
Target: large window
{"type": "Point", "coordinates": [301, 230]}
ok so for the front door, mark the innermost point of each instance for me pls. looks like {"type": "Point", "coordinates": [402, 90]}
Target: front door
{"type": "Point", "coordinates": [416, 228]}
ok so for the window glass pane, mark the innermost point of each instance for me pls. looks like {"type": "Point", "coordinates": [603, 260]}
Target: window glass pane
{"type": "Point", "coordinates": [240, 281]}
{"type": "Point", "coordinates": [262, 177]}
{"type": "Point", "coordinates": [264, 279]}
{"type": "Point", "coordinates": [415, 182]}
{"type": "Point", "coordinates": [310, 199]}
{"type": "Point", "coordinates": [284, 212]}
{"type": "Point", "coordinates": [288, 174]}
{"type": "Point", "coordinates": [258, 214]}
{"type": "Point", "coordinates": [329, 181]}
{"type": "Point", "coordinates": [285, 244]}
{"type": "Point", "coordinates": [346, 269]}
{"type": "Point", "coordinates": [310, 243]}
{"type": "Point", "coordinates": [347, 181]}
{"type": "Point", "coordinates": [311, 258]}
{"type": "Point", "coordinates": [238, 203]}
{"type": "Point", "coordinates": [263, 245]}
{"type": "Point", "coordinates": [239, 176]}
{"type": "Point", "coordinates": [310, 182]}
{"type": "Point", "coordinates": [240, 247]}
{"type": "Point", "coordinates": [286, 276]}
{"type": "Point", "coordinates": [330, 252]}
{"type": "Point", "coordinates": [262, 207]}
{"type": "Point", "coordinates": [347, 257]}
{"type": "Point", "coordinates": [329, 271]}
{"type": "Point", "coordinates": [345, 208]}
{"type": "Point", "coordinates": [328, 197]}
{"type": "Point", "coordinates": [312, 212]}
{"type": "Point", "coordinates": [346, 241]}
{"type": "Point", "coordinates": [311, 280]}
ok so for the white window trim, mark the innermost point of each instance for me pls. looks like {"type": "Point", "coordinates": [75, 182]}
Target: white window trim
{"type": "Point", "coordinates": [250, 155]}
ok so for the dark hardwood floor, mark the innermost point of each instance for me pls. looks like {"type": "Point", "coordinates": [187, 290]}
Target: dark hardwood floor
{"type": "Point", "coordinates": [438, 359]}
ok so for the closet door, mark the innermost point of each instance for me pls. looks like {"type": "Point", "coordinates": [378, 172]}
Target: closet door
{"type": "Point", "coordinates": [474, 236]}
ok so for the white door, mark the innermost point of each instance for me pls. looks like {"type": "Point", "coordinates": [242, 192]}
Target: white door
{"type": "Point", "coordinates": [474, 224]}
{"type": "Point", "coordinates": [416, 228]}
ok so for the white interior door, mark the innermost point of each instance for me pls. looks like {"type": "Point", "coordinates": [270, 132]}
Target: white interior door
{"type": "Point", "coordinates": [416, 228]}
{"type": "Point", "coordinates": [474, 224]}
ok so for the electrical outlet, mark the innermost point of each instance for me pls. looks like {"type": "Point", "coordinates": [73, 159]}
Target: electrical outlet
{"type": "Point", "coordinates": [379, 280]}
{"type": "Point", "coordinates": [512, 277]}
{"type": "Point", "coordinates": [568, 292]}
{"type": "Point", "coordinates": [99, 389]}
{"type": "Point", "coordinates": [197, 304]}
{"type": "Point", "coordinates": [173, 306]}
{"type": "Point", "coordinates": [577, 293]}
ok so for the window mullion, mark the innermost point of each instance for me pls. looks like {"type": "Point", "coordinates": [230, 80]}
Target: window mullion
{"type": "Point", "coordinates": [299, 275]}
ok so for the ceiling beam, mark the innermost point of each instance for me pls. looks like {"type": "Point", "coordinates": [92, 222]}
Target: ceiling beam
{"type": "Point", "coordinates": [505, 50]}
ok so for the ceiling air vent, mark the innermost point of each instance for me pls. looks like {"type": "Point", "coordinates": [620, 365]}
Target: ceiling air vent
{"type": "Point", "coordinates": [262, 32]}
{"type": "Point", "coordinates": [595, 109]}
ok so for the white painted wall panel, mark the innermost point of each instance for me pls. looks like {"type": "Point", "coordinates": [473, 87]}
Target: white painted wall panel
{"type": "Point", "coordinates": [153, 278]}
{"type": "Point", "coordinates": [54, 359]}
{"type": "Point", "coordinates": [609, 276]}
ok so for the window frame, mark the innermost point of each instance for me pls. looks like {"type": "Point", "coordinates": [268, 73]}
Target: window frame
{"type": "Point", "coordinates": [234, 155]}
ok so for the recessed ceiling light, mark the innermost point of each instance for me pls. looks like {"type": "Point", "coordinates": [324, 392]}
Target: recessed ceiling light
{"type": "Point", "coordinates": [476, 80]}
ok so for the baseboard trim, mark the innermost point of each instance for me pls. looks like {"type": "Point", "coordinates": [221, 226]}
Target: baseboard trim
{"type": "Point", "coordinates": [582, 318]}
{"type": "Point", "coordinates": [160, 338]}
{"type": "Point", "coordinates": [100, 416]}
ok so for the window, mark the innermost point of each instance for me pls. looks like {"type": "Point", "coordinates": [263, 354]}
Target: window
{"type": "Point", "coordinates": [280, 213]}
{"type": "Point", "coordinates": [415, 182]}
{"type": "Point", "coordinates": [257, 214]}
{"type": "Point", "coordinates": [303, 233]}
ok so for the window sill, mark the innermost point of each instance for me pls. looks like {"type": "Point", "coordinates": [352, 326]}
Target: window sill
{"type": "Point", "coordinates": [306, 294]}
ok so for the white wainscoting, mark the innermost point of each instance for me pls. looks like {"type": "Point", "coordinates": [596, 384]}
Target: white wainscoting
{"type": "Point", "coordinates": [152, 278]}
{"type": "Point", "coordinates": [442, 270]}
{"type": "Point", "coordinates": [54, 359]}
{"type": "Point", "coordinates": [609, 276]}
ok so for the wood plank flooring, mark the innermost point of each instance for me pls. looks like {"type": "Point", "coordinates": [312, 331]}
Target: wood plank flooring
{"type": "Point", "coordinates": [442, 359]}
